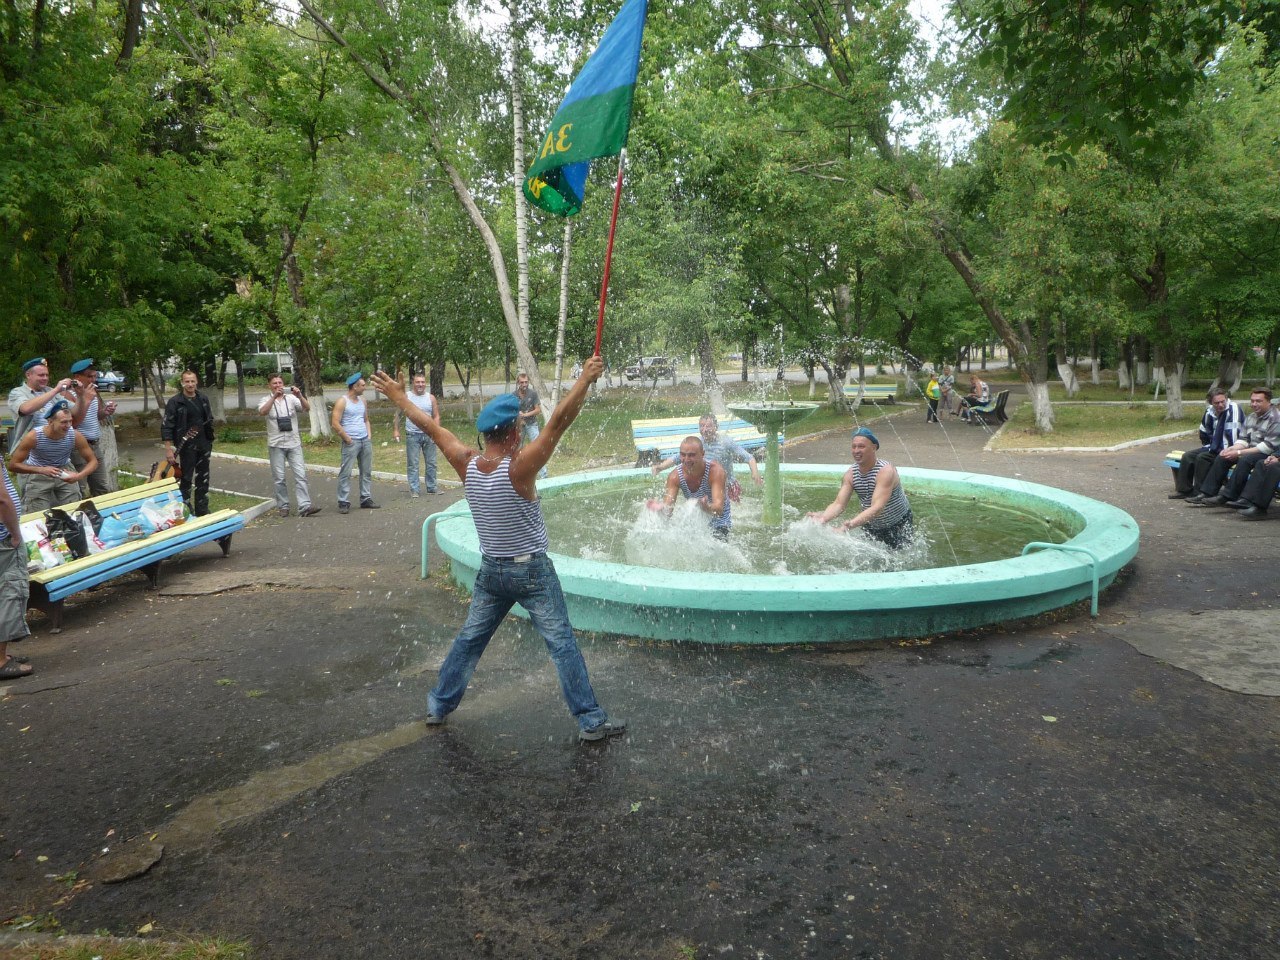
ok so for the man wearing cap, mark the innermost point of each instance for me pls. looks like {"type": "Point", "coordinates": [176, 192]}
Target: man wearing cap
{"type": "Point", "coordinates": [284, 444]}
{"type": "Point", "coordinates": [351, 422]}
{"type": "Point", "coordinates": [885, 513]}
{"type": "Point", "coordinates": [502, 492]}
{"type": "Point", "coordinates": [44, 456]}
{"type": "Point", "coordinates": [87, 418]}
{"type": "Point", "coordinates": [187, 432]}
{"type": "Point", "coordinates": [31, 401]}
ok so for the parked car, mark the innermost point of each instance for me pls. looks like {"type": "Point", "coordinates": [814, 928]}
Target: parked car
{"type": "Point", "coordinates": [650, 368]}
{"type": "Point", "coordinates": [110, 380]}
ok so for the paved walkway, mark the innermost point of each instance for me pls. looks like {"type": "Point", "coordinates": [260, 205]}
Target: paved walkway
{"type": "Point", "coordinates": [242, 751]}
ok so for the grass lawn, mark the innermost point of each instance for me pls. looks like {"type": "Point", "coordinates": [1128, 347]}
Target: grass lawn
{"type": "Point", "coordinates": [101, 948]}
{"type": "Point", "coordinates": [1090, 426]}
{"type": "Point", "coordinates": [600, 437]}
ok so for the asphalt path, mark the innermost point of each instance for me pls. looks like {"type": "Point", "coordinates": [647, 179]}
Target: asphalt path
{"type": "Point", "coordinates": [242, 752]}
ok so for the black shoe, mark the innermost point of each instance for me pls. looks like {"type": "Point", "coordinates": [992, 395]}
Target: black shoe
{"type": "Point", "coordinates": [369, 505]}
{"type": "Point", "coordinates": [1252, 513]}
{"type": "Point", "coordinates": [344, 507]}
{"type": "Point", "coordinates": [1238, 504]}
{"type": "Point", "coordinates": [610, 728]}
{"type": "Point", "coordinates": [1179, 496]}
{"type": "Point", "coordinates": [1195, 500]}
{"type": "Point", "coordinates": [1218, 501]}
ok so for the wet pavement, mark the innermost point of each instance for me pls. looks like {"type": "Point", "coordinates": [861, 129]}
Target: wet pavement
{"type": "Point", "coordinates": [242, 753]}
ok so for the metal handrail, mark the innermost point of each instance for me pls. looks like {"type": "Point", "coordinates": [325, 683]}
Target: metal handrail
{"type": "Point", "coordinates": [1093, 564]}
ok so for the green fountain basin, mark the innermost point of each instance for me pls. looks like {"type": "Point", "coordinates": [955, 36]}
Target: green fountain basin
{"type": "Point", "coordinates": [719, 608]}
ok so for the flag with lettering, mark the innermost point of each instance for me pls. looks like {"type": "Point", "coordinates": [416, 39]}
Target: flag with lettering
{"type": "Point", "coordinates": [594, 118]}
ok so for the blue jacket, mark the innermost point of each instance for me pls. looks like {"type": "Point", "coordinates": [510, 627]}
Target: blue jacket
{"type": "Point", "coordinates": [1231, 432]}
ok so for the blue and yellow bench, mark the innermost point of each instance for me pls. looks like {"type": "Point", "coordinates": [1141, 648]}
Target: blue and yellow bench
{"type": "Point", "coordinates": [655, 440]}
{"type": "Point", "coordinates": [50, 587]}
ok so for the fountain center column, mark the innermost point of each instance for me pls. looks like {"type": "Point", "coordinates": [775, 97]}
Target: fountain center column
{"type": "Point", "coordinates": [771, 418]}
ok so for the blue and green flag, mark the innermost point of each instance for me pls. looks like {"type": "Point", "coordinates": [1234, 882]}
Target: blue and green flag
{"type": "Point", "coordinates": [593, 120]}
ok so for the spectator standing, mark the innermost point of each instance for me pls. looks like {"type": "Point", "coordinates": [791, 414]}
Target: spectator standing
{"type": "Point", "coordinates": [30, 402]}
{"type": "Point", "coordinates": [946, 388]}
{"type": "Point", "coordinates": [88, 418]}
{"type": "Point", "coordinates": [187, 432]}
{"type": "Point", "coordinates": [284, 444]}
{"type": "Point", "coordinates": [351, 422]}
{"type": "Point", "coordinates": [1219, 428]}
{"type": "Point", "coordinates": [14, 585]}
{"type": "Point", "coordinates": [530, 410]}
{"type": "Point", "coordinates": [417, 442]}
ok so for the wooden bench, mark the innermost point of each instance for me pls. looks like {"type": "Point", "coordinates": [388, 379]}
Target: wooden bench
{"type": "Point", "coordinates": [655, 440]}
{"type": "Point", "coordinates": [50, 587]}
{"type": "Point", "coordinates": [1174, 457]}
{"type": "Point", "coordinates": [993, 410]}
{"type": "Point", "coordinates": [875, 392]}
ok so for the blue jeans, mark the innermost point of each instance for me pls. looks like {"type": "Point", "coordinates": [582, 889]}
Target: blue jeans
{"type": "Point", "coordinates": [289, 457]}
{"type": "Point", "coordinates": [415, 443]}
{"type": "Point", "coordinates": [358, 451]}
{"type": "Point", "coordinates": [499, 585]}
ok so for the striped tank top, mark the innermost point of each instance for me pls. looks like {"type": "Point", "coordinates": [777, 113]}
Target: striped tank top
{"type": "Point", "coordinates": [52, 453]}
{"type": "Point", "coordinates": [722, 521]}
{"type": "Point", "coordinates": [89, 427]}
{"type": "Point", "coordinates": [353, 419]}
{"type": "Point", "coordinates": [508, 524]}
{"type": "Point", "coordinates": [13, 495]}
{"type": "Point", "coordinates": [865, 487]}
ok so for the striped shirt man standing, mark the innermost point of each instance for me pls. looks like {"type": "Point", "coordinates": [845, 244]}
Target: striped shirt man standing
{"type": "Point", "coordinates": [501, 489]}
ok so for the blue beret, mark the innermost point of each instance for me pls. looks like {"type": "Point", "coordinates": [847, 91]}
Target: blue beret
{"type": "Point", "coordinates": [354, 379]}
{"type": "Point", "coordinates": [33, 363]}
{"type": "Point", "coordinates": [864, 432]}
{"type": "Point", "coordinates": [498, 412]}
{"type": "Point", "coordinates": [80, 366]}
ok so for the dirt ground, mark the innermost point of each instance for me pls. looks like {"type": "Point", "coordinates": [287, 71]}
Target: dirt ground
{"type": "Point", "coordinates": [241, 753]}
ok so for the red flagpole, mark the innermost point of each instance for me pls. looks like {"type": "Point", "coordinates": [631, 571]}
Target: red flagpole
{"type": "Point", "coordinates": [608, 253]}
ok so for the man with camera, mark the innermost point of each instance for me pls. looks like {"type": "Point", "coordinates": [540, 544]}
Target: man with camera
{"type": "Point", "coordinates": [284, 444]}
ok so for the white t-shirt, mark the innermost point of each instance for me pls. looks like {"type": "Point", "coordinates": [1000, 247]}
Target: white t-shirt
{"type": "Point", "coordinates": [286, 406]}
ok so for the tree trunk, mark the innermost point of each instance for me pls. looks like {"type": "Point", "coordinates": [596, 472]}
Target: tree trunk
{"type": "Point", "coordinates": [240, 399]}
{"type": "Point", "coordinates": [1168, 361]}
{"type": "Point", "coordinates": [306, 368]}
{"type": "Point", "coordinates": [563, 319]}
{"type": "Point", "coordinates": [109, 452]}
{"type": "Point", "coordinates": [707, 374]}
{"type": "Point", "coordinates": [517, 180]}
{"type": "Point", "coordinates": [1095, 363]}
{"type": "Point", "coordinates": [1040, 405]}
{"type": "Point", "coordinates": [132, 31]}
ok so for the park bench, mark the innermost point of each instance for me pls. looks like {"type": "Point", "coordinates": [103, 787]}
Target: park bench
{"type": "Point", "coordinates": [992, 410]}
{"type": "Point", "coordinates": [655, 440]}
{"type": "Point", "coordinates": [874, 392]}
{"type": "Point", "coordinates": [1174, 457]}
{"type": "Point", "coordinates": [50, 587]}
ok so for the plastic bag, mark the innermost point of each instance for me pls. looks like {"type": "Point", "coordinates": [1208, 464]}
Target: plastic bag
{"type": "Point", "coordinates": [162, 513]}
{"type": "Point", "coordinates": [62, 526]}
{"type": "Point", "coordinates": [116, 531]}
{"type": "Point", "coordinates": [93, 543]}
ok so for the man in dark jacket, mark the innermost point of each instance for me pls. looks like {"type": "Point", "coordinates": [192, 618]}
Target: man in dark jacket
{"type": "Point", "coordinates": [187, 432]}
{"type": "Point", "coordinates": [1219, 428]}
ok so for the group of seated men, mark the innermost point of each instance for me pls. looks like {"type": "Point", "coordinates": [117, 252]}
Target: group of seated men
{"type": "Point", "coordinates": [1237, 464]}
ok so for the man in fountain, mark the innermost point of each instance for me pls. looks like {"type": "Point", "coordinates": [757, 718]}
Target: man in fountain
{"type": "Point", "coordinates": [885, 513]}
{"type": "Point", "coordinates": [702, 480]}
{"type": "Point", "coordinates": [721, 450]}
{"type": "Point", "coordinates": [502, 491]}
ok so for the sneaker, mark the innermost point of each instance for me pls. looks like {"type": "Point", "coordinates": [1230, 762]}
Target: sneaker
{"type": "Point", "coordinates": [310, 511]}
{"type": "Point", "coordinates": [433, 720]}
{"type": "Point", "coordinates": [610, 728]}
{"type": "Point", "coordinates": [413, 494]}
{"type": "Point", "coordinates": [284, 511]}
{"type": "Point", "coordinates": [344, 507]}
{"type": "Point", "coordinates": [369, 505]}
